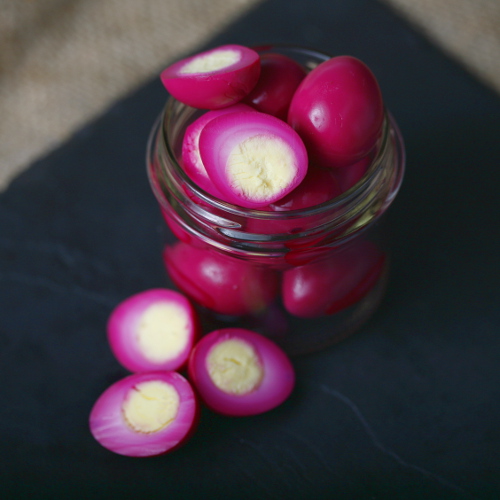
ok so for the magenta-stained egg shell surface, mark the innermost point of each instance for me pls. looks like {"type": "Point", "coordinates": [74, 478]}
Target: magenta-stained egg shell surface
{"type": "Point", "coordinates": [349, 176]}
{"type": "Point", "coordinates": [334, 283]}
{"type": "Point", "coordinates": [215, 78]}
{"type": "Point", "coordinates": [319, 186]}
{"type": "Point", "coordinates": [338, 111]}
{"type": "Point", "coordinates": [223, 284]}
{"type": "Point", "coordinates": [279, 78]}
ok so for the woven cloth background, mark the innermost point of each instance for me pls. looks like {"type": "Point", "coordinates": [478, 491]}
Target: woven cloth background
{"type": "Point", "coordinates": [62, 62]}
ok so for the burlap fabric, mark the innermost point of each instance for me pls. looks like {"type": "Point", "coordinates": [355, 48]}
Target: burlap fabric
{"type": "Point", "coordinates": [62, 62]}
{"type": "Point", "coordinates": [467, 30]}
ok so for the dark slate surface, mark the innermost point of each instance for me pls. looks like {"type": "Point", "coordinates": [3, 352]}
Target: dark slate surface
{"type": "Point", "coordinates": [407, 408]}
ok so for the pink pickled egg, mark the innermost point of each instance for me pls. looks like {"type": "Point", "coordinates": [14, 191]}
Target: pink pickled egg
{"type": "Point", "coordinates": [338, 111]}
{"type": "Point", "coordinates": [153, 330]}
{"type": "Point", "coordinates": [349, 176]}
{"type": "Point", "coordinates": [334, 283]}
{"type": "Point", "coordinates": [254, 159]}
{"type": "Point", "coordinates": [215, 78]}
{"type": "Point", "coordinates": [218, 282]}
{"type": "Point", "coordinates": [238, 372]}
{"type": "Point", "coordinates": [191, 159]}
{"type": "Point", "coordinates": [279, 78]}
{"type": "Point", "coordinates": [145, 414]}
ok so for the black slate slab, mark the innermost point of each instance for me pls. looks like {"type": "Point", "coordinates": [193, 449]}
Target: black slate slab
{"type": "Point", "coordinates": [408, 408]}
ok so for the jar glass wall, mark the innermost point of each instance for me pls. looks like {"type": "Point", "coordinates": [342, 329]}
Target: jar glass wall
{"type": "Point", "coordinates": [305, 278]}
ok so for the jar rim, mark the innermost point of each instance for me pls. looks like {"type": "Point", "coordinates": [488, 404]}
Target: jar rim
{"type": "Point", "coordinates": [347, 197]}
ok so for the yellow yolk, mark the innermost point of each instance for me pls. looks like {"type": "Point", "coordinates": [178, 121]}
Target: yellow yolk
{"type": "Point", "coordinates": [162, 331]}
{"type": "Point", "coordinates": [211, 62]}
{"type": "Point", "coordinates": [261, 166]}
{"type": "Point", "coordinates": [150, 406]}
{"type": "Point", "coordinates": [234, 367]}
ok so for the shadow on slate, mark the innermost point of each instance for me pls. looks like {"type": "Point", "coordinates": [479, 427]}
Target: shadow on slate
{"type": "Point", "coordinates": [407, 408]}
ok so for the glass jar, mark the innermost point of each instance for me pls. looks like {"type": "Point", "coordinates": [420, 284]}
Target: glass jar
{"type": "Point", "coordinates": [305, 278]}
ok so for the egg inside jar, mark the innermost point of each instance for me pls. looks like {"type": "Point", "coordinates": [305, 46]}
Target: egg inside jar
{"type": "Point", "coordinates": [276, 198]}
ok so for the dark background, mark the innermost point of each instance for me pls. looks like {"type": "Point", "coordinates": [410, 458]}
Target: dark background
{"type": "Point", "coordinates": [407, 408]}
